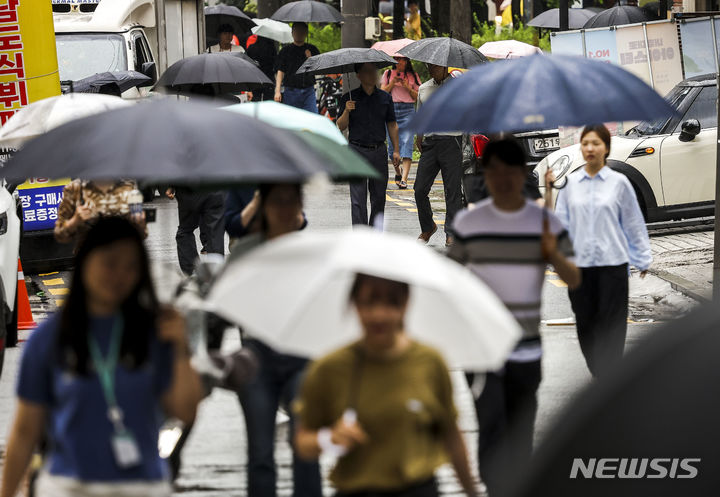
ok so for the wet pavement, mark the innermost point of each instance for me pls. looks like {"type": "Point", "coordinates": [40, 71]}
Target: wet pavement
{"type": "Point", "coordinates": [214, 458]}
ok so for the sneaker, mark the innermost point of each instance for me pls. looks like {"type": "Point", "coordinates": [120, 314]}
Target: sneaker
{"type": "Point", "coordinates": [426, 235]}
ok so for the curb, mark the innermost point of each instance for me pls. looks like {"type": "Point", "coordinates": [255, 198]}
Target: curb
{"type": "Point", "coordinates": [697, 292]}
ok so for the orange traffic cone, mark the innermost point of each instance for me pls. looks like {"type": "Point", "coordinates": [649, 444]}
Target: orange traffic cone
{"type": "Point", "coordinates": [25, 317]}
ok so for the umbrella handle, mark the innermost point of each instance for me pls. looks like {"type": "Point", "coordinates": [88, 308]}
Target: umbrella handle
{"type": "Point", "coordinates": [347, 78]}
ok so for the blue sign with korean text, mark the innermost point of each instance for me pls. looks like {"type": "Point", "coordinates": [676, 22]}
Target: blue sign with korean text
{"type": "Point", "coordinates": [40, 207]}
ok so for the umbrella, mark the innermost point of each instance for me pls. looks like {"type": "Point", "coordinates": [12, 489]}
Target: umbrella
{"type": "Point", "coordinates": [167, 141]}
{"type": "Point", "coordinates": [343, 60]}
{"type": "Point", "coordinates": [508, 49]}
{"type": "Point", "coordinates": [308, 314]}
{"type": "Point", "coordinates": [227, 73]}
{"type": "Point", "coordinates": [243, 56]}
{"type": "Point", "coordinates": [391, 47]}
{"type": "Point", "coordinates": [307, 11]}
{"type": "Point", "coordinates": [42, 116]}
{"type": "Point", "coordinates": [619, 15]}
{"type": "Point", "coordinates": [286, 116]}
{"type": "Point", "coordinates": [225, 14]}
{"type": "Point", "coordinates": [550, 19]}
{"type": "Point", "coordinates": [275, 30]}
{"type": "Point", "coordinates": [658, 404]}
{"type": "Point", "coordinates": [342, 162]}
{"type": "Point", "coordinates": [123, 80]}
{"type": "Point", "coordinates": [446, 52]}
{"type": "Point", "coordinates": [539, 92]}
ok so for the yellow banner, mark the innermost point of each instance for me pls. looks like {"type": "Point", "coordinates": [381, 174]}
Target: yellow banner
{"type": "Point", "coordinates": [42, 183]}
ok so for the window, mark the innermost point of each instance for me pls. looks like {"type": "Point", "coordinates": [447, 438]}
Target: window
{"type": "Point", "coordinates": [82, 55]}
{"type": "Point", "coordinates": [704, 108]}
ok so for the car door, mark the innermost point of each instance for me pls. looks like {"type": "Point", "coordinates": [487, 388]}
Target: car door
{"type": "Point", "coordinates": [688, 168]}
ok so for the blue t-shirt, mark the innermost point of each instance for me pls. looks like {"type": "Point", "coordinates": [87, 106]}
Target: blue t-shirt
{"type": "Point", "coordinates": [78, 428]}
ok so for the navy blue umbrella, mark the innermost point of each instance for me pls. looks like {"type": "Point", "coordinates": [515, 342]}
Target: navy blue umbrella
{"type": "Point", "coordinates": [539, 92]}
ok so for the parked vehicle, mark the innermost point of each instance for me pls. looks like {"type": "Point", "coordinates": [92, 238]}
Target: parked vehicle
{"type": "Point", "coordinates": [330, 92]}
{"type": "Point", "coordinates": [9, 247]}
{"type": "Point", "coordinates": [670, 161]}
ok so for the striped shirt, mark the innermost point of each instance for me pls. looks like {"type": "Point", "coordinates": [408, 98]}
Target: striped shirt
{"type": "Point", "coordinates": [503, 249]}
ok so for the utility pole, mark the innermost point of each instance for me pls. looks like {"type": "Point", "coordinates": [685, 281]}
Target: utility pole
{"type": "Point", "coordinates": [266, 8]}
{"type": "Point", "coordinates": [564, 5]}
{"type": "Point", "coordinates": [353, 30]}
{"type": "Point", "coordinates": [399, 19]}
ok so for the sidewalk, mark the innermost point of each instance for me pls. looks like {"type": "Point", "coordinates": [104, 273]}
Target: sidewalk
{"type": "Point", "coordinates": [685, 261]}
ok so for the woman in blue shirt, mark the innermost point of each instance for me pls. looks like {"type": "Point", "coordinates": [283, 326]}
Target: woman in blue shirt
{"type": "Point", "coordinates": [97, 376]}
{"type": "Point", "coordinates": [600, 210]}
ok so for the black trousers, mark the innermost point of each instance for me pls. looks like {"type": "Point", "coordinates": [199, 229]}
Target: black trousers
{"type": "Point", "coordinates": [600, 305]}
{"type": "Point", "coordinates": [202, 210]}
{"type": "Point", "coordinates": [425, 489]}
{"type": "Point", "coordinates": [506, 412]}
{"type": "Point", "coordinates": [377, 158]}
{"type": "Point", "coordinates": [442, 154]}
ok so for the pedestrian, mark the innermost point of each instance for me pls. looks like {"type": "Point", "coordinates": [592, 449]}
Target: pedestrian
{"type": "Point", "coordinates": [440, 153]}
{"type": "Point", "coordinates": [369, 114]}
{"type": "Point", "coordinates": [299, 89]}
{"type": "Point", "coordinates": [226, 33]}
{"type": "Point", "coordinates": [84, 202]}
{"type": "Point", "coordinates": [94, 374]}
{"type": "Point", "coordinates": [402, 82]}
{"type": "Point", "coordinates": [383, 404]}
{"type": "Point", "coordinates": [198, 209]}
{"type": "Point", "coordinates": [413, 24]}
{"type": "Point", "coordinates": [264, 52]}
{"type": "Point", "coordinates": [278, 375]}
{"type": "Point", "coordinates": [599, 208]}
{"type": "Point", "coordinates": [507, 240]}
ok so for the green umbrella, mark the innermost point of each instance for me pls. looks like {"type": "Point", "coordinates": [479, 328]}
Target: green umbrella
{"type": "Point", "coordinates": [342, 162]}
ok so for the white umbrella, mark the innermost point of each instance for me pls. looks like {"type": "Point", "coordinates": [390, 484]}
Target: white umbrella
{"type": "Point", "coordinates": [508, 49]}
{"type": "Point", "coordinates": [293, 293]}
{"type": "Point", "coordinates": [40, 117]}
{"type": "Point", "coordinates": [275, 30]}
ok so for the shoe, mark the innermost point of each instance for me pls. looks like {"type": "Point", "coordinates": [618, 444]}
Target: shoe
{"type": "Point", "coordinates": [403, 185]}
{"type": "Point", "coordinates": [398, 179]}
{"type": "Point", "coordinates": [449, 240]}
{"type": "Point", "coordinates": [426, 235]}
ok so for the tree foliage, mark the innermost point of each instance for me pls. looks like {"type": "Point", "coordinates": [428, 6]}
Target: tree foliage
{"type": "Point", "coordinates": [485, 32]}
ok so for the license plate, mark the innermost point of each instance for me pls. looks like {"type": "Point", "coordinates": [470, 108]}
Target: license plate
{"type": "Point", "coordinates": [541, 144]}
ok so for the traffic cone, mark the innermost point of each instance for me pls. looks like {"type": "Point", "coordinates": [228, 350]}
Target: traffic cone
{"type": "Point", "coordinates": [25, 317]}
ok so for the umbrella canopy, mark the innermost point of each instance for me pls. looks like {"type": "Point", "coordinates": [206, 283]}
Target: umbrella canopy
{"type": "Point", "coordinates": [619, 15]}
{"type": "Point", "coordinates": [508, 49]}
{"type": "Point", "coordinates": [391, 47]}
{"type": "Point", "coordinates": [286, 116]}
{"type": "Point", "coordinates": [550, 19]}
{"type": "Point", "coordinates": [539, 92]}
{"type": "Point", "coordinates": [657, 404]}
{"type": "Point", "coordinates": [343, 60]}
{"type": "Point", "coordinates": [308, 314]}
{"type": "Point", "coordinates": [218, 15]}
{"type": "Point", "coordinates": [167, 141]}
{"type": "Point", "coordinates": [123, 80]}
{"type": "Point", "coordinates": [40, 117]}
{"type": "Point", "coordinates": [342, 162]}
{"type": "Point", "coordinates": [307, 11]}
{"type": "Point", "coordinates": [274, 30]}
{"type": "Point", "coordinates": [446, 52]}
{"type": "Point", "coordinates": [227, 73]}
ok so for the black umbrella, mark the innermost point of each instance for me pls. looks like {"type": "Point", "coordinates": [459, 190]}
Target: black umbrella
{"type": "Point", "coordinates": [225, 14]}
{"type": "Point", "coordinates": [307, 11]}
{"type": "Point", "coordinates": [655, 416]}
{"type": "Point", "coordinates": [122, 80]}
{"type": "Point", "coordinates": [343, 60]}
{"type": "Point", "coordinates": [617, 16]}
{"type": "Point", "coordinates": [446, 52]}
{"type": "Point", "coordinates": [225, 72]}
{"type": "Point", "coordinates": [550, 19]}
{"type": "Point", "coordinates": [168, 142]}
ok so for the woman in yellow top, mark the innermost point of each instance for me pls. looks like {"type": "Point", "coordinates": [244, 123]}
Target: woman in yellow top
{"type": "Point", "coordinates": [413, 25]}
{"type": "Point", "coordinates": [384, 405]}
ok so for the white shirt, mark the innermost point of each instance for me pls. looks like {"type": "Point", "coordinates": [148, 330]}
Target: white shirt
{"type": "Point", "coordinates": [424, 93]}
{"type": "Point", "coordinates": [233, 48]}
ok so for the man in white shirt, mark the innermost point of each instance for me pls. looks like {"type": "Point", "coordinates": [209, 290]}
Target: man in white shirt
{"type": "Point", "coordinates": [226, 33]}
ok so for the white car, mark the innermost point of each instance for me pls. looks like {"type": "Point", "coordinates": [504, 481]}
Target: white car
{"type": "Point", "coordinates": [9, 247]}
{"type": "Point", "coordinates": [670, 162]}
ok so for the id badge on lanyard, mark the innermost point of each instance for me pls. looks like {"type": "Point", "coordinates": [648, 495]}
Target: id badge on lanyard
{"type": "Point", "coordinates": [124, 446]}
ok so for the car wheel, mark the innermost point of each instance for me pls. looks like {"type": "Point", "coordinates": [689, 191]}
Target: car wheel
{"type": "Point", "coordinates": [11, 326]}
{"type": "Point", "coordinates": [3, 336]}
{"type": "Point", "coordinates": [641, 201]}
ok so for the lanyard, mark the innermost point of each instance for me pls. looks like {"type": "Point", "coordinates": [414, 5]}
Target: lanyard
{"type": "Point", "coordinates": [105, 367]}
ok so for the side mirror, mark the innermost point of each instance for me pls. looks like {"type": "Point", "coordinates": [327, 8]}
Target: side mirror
{"type": "Point", "coordinates": [149, 69]}
{"type": "Point", "coordinates": [689, 130]}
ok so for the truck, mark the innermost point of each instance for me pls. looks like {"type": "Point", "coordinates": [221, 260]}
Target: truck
{"type": "Point", "coordinates": [146, 36]}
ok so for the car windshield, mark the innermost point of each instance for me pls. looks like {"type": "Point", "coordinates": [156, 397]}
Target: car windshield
{"type": "Point", "coordinates": [82, 55]}
{"type": "Point", "coordinates": [654, 127]}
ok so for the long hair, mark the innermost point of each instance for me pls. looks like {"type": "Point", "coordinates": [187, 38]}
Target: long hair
{"type": "Point", "coordinates": [139, 310]}
{"type": "Point", "coordinates": [408, 70]}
